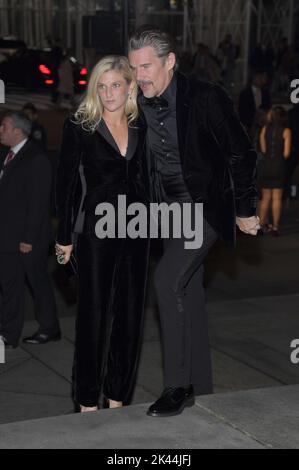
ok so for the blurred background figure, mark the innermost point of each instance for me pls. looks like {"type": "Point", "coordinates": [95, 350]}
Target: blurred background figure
{"type": "Point", "coordinates": [254, 100]}
{"type": "Point", "coordinates": [263, 58]}
{"type": "Point", "coordinates": [205, 65]}
{"type": "Point", "coordinates": [227, 54]}
{"type": "Point", "coordinates": [56, 58]}
{"type": "Point", "coordinates": [38, 132]}
{"type": "Point", "coordinates": [287, 64]}
{"type": "Point", "coordinates": [65, 88]}
{"type": "Point", "coordinates": [275, 144]}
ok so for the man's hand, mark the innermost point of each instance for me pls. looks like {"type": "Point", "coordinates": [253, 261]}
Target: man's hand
{"type": "Point", "coordinates": [64, 252]}
{"type": "Point", "coordinates": [25, 248]}
{"type": "Point", "coordinates": [249, 225]}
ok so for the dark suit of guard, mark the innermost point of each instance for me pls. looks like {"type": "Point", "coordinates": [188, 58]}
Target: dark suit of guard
{"type": "Point", "coordinates": [112, 271]}
{"type": "Point", "coordinates": [198, 152]}
{"type": "Point", "coordinates": [25, 189]}
{"type": "Point", "coordinates": [248, 108]}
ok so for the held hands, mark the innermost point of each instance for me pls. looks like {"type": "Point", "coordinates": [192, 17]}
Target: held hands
{"type": "Point", "coordinates": [249, 225]}
{"type": "Point", "coordinates": [63, 253]}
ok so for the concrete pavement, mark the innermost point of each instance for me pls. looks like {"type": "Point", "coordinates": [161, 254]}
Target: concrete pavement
{"type": "Point", "coordinates": [250, 341]}
{"type": "Point", "coordinates": [253, 306]}
{"type": "Point", "coordinates": [256, 419]}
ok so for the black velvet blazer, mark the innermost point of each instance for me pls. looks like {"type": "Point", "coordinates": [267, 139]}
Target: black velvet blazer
{"type": "Point", "coordinates": [91, 170]}
{"type": "Point", "coordinates": [218, 160]}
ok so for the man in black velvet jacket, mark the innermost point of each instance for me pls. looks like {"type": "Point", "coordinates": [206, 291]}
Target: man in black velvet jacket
{"type": "Point", "coordinates": [198, 151]}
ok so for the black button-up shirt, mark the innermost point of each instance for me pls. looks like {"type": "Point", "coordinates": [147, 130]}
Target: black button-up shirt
{"type": "Point", "coordinates": [160, 114]}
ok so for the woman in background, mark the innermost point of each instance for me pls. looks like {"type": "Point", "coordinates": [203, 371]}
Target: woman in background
{"type": "Point", "coordinates": [275, 144]}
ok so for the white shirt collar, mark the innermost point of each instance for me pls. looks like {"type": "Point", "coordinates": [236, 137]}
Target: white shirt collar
{"type": "Point", "coordinates": [18, 147]}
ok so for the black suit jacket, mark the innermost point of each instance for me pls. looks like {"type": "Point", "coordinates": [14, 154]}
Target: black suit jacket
{"type": "Point", "coordinates": [218, 161]}
{"type": "Point", "coordinates": [25, 190]}
{"type": "Point", "coordinates": [106, 175]}
{"type": "Point", "coordinates": [247, 106]}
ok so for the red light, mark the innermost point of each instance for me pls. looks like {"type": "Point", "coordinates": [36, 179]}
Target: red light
{"type": "Point", "coordinates": [83, 71]}
{"type": "Point", "coordinates": [82, 82]}
{"type": "Point", "coordinates": [49, 82]}
{"type": "Point", "coordinates": [43, 69]}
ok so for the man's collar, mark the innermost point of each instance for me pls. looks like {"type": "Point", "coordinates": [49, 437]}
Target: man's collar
{"type": "Point", "coordinates": [170, 93]}
{"type": "Point", "coordinates": [18, 147]}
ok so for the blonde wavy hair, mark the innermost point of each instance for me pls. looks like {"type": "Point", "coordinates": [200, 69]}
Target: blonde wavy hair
{"type": "Point", "coordinates": [90, 111]}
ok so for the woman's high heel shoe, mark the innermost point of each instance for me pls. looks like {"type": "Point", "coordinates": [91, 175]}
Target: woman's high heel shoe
{"type": "Point", "coordinates": [115, 404]}
{"type": "Point", "coordinates": [87, 409]}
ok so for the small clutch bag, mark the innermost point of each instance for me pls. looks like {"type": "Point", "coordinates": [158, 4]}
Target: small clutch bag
{"type": "Point", "coordinates": [71, 267]}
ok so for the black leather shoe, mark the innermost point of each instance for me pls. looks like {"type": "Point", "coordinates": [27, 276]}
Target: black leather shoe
{"type": "Point", "coordinates": [172, 402]}
{"type": "Point", "coordinates": [41, 338]}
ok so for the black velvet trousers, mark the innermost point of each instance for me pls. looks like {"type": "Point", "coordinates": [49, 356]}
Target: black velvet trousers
{"type": "Point", "coordinates": [112, 283]}
{"type": "Point", "coordinates": [184, 323]}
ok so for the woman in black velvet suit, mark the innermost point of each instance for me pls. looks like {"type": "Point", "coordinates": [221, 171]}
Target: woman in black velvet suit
{"type": "Point", "coordinates": [101, 158]}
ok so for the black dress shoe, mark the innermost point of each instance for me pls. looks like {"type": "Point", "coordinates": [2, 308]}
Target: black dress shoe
{"type": "Point", "coordinates": [172, 402]}
{"type": "Point", "coordinates": [41, 338]}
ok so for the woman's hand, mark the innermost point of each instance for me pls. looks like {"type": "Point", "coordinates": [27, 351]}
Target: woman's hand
{"type": "Point", "coordinates": [63, 253]}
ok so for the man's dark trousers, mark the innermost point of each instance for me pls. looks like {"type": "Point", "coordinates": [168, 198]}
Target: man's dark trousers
{"type": "Point", "coordinates": [14, 268]}
{"type": "Point", "coordinates": [181, 300]}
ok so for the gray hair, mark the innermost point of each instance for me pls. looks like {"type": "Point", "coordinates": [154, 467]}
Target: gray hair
{"type": "Point", "coordinates": [20, 121]}
{"type": "Point", "coordinates": [154, 37]}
